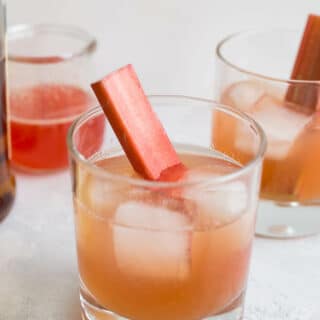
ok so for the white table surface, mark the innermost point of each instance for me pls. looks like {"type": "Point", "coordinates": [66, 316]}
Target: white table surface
{"type": "Point", "coordinates": [38, 272]}
{"type": "Point", "coordinates": [171, 43]}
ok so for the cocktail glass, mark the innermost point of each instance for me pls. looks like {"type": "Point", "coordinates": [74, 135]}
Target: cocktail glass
{"type": "Point", "coordinates": [165, 250]}
{"type": "Point", "coordinates": [253, 75]}
{"type": "Point", "coordinates": [49, 74]}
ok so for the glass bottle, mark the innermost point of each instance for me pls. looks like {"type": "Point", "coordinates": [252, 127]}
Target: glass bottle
{"type": "Point", "coordinates": [7, 181]}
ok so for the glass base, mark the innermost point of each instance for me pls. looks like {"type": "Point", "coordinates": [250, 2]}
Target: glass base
{"type": "Point", "coordinates": [287, 221]}
{"type": "Point", "coordinates": [90, 311]}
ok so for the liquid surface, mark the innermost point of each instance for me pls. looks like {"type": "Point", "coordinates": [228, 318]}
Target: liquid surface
{"type": "Point", "coordinates": [205, 165]}
{"type": "Point", "coordinates": [40, 118]}
{"type": "Point", "coordinates": [290, 172]}
{"type": "Point", "coordinates": [178, 253]}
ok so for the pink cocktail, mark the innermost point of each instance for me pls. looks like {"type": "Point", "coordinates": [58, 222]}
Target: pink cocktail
{"type": "Point", "coordinates": [49, 67]}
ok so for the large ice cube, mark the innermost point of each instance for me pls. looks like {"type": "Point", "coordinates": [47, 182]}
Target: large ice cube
{"type": "Point", "coordinates": [281, 125]}
{"type": "Point", "coordinates": [151, 241]}
{"type": "Point", "coordinates": [243, 95]}
{"type": "Point", "coordinates": [103, 196]}
{"type": "Point", "coordinates": [278, 121]}
{"type": "Point", "coordinates": [219, 203]}
{"type": "Point", "coordinates": [169, 199]}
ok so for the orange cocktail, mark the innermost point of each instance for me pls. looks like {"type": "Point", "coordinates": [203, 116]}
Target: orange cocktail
{"type": "Point", "coordinates": [186, 259]}
{"type": "Point", "coordinates": [164, 250]}
{"type": "Point", "coordinates": [256, 74]}
{"type": "Point", "coordinates": [289, 167]}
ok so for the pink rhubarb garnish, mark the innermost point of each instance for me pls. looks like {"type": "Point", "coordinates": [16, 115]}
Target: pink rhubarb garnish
{"type": "Point", "coordinates": [137, 127]}
{"type": "Point", "coordinates": [307, 67]}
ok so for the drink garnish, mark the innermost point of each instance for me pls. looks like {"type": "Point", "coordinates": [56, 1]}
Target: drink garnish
{"type": "Point", "coordinates": [137, 126]}
{"type": "Point", "coordinates": [307, 67]}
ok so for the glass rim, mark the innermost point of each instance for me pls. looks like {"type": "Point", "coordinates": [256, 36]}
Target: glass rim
{"type": "Point", "coordinates": [228, 62]}
{"type": "Point", "coordinates": [20, 30]}
{"type": "Point", "coordinates": [103, 173]}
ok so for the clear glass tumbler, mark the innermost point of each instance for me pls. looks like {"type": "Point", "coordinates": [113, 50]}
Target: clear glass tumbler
{"type": "Point", "coordinates": [253, 75]}
{"type": "Point", "coordinates": [49, 77]}
{"type": "Point", "coordinates": [165, 250]}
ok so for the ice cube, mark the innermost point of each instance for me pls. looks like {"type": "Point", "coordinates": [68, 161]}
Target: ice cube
{"type": "Point", "coordinates": [167, 198]}
{"type": "Point", "coordinates": [219, 203]}
{"type": "Point", "coordinates": [103, 196]}
{"type": "Point", "coordinates": [99, 192]}
{"type": "Point", "coordinates": [281, 125]}
{"type": "Point", "coordinates": [150, 241]}
{"type": "Point", "coordinates": [243, 95]}
{"type": "Point", "coordinates": [278, 121]}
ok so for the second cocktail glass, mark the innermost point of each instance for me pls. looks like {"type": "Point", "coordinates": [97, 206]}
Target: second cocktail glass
{"type": "Point", "coordinates": [253, 75]}
{"type": "Point", "coordinates": [165, 250]}
{"type": "Point", "coordinates": [49, 77]}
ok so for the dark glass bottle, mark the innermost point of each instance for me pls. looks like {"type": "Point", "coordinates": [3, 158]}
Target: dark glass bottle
{"type": "Point", "coordinates": [7, 181]}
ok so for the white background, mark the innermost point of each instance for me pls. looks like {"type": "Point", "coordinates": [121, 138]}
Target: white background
{"type": "Point", "coordinates": [170, 42]}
